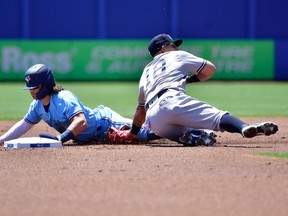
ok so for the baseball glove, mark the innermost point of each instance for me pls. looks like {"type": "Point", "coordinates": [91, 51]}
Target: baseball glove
{"type": "Point", "coordinates": [120, 136]}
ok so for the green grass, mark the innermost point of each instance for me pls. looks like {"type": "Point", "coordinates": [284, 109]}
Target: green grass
{"type": "Point", "coordinates": [274, 154]}
{"type": "Point", "coordinates": [249, 99]}
{"type": "Point", "coordinates": [242, 99]}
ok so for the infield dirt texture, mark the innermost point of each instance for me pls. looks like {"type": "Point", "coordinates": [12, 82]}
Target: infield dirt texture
{"type": "Point", "coordinates": [160, 178]}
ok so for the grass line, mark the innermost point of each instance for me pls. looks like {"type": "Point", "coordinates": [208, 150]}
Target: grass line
{"type": "Point", "coordinates": [274, 154]}
{"type": "Point", "coordinates": [242, 99]}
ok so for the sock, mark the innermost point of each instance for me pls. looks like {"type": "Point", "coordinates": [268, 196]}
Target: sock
{"type": "Point", "coordinates": [231, 124]}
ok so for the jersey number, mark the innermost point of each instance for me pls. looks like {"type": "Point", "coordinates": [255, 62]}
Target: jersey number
{"type": "Point", "coordinates": [158, 69]}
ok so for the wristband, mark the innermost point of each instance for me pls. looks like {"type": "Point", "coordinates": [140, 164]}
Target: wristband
{"type": "Point", "coordinates": [141, 104]}
{"type": "Point", "coordinates": [135, 129]}
{"type": "Point", "coordinates": [193, 78]}
{"type": "Point", "coordinates": [66, 135]}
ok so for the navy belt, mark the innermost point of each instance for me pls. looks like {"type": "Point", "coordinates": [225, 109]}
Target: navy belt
{"type": "Point", "coordinates": [159, 94]}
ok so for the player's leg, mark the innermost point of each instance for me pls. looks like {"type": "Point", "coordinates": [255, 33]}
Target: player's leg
{"type": "Point", "coordinates": [193, 113]}
{"type": "Point", "coordinates": [233, 124]}
{"type": "Point", "coordinates": [163, 122]}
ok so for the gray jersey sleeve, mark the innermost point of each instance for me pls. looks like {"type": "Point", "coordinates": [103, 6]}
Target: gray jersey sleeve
{"type": "Point", "coordinates": [191, 63]}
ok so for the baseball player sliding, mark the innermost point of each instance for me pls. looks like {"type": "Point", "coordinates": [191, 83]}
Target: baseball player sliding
{"type": "Point", "coordinates": [63, 111]}
{"type": "Point", "coordinates": [170, 112]}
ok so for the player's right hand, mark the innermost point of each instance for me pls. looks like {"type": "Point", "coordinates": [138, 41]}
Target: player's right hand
{"type": "Point", "coordinates": [121, 136]}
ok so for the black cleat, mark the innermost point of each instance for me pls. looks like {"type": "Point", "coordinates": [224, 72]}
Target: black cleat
{"type": "Point", "coordinates": [198, 138]}
{"type": "Point", "coordinates": [264, 128]}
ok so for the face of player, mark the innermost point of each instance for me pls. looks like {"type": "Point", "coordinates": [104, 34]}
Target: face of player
{"type": "Point", "coordinates": [45, 100]}
{"type": "Point", "coordinates": [34, 92]}
{"type": "Point", "coordinates": [169, 47]}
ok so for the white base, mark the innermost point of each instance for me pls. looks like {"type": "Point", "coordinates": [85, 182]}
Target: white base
{"type": "Point", "coordinates": [33, 142]}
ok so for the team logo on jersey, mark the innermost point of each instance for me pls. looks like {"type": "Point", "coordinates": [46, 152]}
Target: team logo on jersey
{"type": "Point", "coordinates": [28, 79]}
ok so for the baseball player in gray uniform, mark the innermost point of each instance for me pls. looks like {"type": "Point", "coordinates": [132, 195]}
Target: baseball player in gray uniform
{"type": "Point", "coordinates": [63, 111]}
{"type": "Point", "coordinates": [170, 112]}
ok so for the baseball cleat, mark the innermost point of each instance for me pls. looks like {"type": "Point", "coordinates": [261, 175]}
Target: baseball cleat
{"type": "Point", "coordinates": [264, 128]}
{"type": "Point", "coordinates": [249, 131]}
{"type": "Point", "coordinates": [198, 138]}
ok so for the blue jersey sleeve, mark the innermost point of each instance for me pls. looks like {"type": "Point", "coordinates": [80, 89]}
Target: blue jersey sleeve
{"type": "Point", "coordinates": [71, 106]}
{"type": "Point", "coordinates": [32, 115]}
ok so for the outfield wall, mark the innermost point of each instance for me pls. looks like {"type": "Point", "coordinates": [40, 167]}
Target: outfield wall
{"type": "Point", "coordinates": [281, 58]}
{"type": "Point", "coordinates": [89, 60]}
{"type": "Point", "coordinates": [110, 19]}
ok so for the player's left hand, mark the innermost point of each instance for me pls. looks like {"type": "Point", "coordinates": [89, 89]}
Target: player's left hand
{"type": "Point", "coordinates": [121, 136]}
{"type": "Point", "coordinates": [48, 136]}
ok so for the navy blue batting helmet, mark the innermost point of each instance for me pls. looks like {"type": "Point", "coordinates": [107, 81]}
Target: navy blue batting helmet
{"type": "Point", "coordinates": [40, 76]}
{"type": "Point", "coordinates": [158, 41]}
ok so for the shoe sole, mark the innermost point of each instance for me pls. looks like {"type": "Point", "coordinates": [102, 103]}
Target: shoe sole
{"type": "Point", "coordinates": [185, 139]}
{"type": "Point", "coordinates": [268, 128]}
{"type": "Point", "coordinates": [203, 140]}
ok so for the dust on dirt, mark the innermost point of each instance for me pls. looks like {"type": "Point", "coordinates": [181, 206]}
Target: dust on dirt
{"type": "Point", "coordinates": [159, 178]}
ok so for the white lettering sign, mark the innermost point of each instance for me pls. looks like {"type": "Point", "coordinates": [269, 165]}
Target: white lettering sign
{"type": "Point", "coordinates": [16, 60]}
{"type": "Point", "coordinates": [233, 59]}
{"type": "Point", "coordinates": [117, 59]}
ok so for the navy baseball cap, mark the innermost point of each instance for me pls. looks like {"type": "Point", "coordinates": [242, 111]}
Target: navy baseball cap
{"type": "Point", "coordinates": [162, 39]}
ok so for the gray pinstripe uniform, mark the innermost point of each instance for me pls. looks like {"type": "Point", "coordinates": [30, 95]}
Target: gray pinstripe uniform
{"type": "Point", "coordinates": [169, 110]}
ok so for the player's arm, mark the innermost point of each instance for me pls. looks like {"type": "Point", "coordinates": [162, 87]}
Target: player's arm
{"type": "Point", "coordinates": [207, 72]}
{"type": "Point", "coordinates": [140, 114]}
{"type": "Point", "coordinates": [16, 131]}
{"type": "Point", "coordinates": [138, 119]}
{"type": "Point", "coordinates": [78, 124]}
{"type": "Point", "coordinates": [203, 73]}
{"type": "Point", "coordinates": [76, 116]}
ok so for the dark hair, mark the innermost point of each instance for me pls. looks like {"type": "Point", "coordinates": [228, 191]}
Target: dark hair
{"type": "Point", "coordinates": [56, 89]}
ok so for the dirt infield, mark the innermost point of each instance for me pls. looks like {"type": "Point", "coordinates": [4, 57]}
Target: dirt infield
{"type": "Point", "coordinates": [160, 178]}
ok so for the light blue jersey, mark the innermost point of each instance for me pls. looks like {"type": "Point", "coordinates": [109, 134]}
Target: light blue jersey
{"type": "Point", "coordinates": [65, 105]}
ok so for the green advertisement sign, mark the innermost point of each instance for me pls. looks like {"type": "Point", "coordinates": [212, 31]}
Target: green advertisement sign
{"type": "Point", "coordinates": [125, 59]}
{"type": "Point", "coordinates": [237, 60]}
